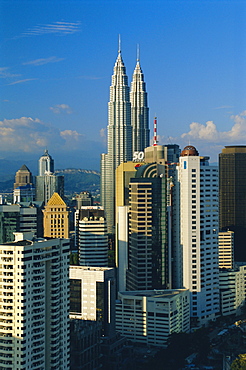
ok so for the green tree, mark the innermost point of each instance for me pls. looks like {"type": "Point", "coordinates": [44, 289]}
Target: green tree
{"type": "Point", "coordinates": [239, 363]}
{"type": "Point", "coordinates": [74, 258]}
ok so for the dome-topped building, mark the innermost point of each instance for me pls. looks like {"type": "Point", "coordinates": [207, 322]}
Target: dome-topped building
{"type": "Point", "coordinates": [189, 150]}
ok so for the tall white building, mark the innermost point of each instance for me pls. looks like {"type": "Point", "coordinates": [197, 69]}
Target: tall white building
{"type": "Point", "coordinates": [34, 304]}
{"type": "Point", "coordinates": [47, 183]}
{"type": "Point", "coordinates": [198, 184]}
{"type": "Point", "coordinates": [45, 164]}
{"type": "Point", "coordinates": [119, 138]}
{"type": "Point", "coordinates": [139, 111]}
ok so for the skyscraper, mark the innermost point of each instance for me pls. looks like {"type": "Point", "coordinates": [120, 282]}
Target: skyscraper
{"type": "Point", "coordinates": [34, 307]}
{"type": "Point", "coordinates": [139, 111]}
{"type": "Point", "coordinates": [24, 190]}
{"type": "Point", "coordinates": [119, 138]}
{"type": "Point", "coordinates": [198, 204]}
{"type": "Point", "coordinates": [91, 236]}
{"type": "Point", "coordinates": [148, 250]}
{"type": "Point", "coordinates": [47, 183]}
{"type": "Point", "coordinates": [45, 164]}
{"type": "Point", "coordinates": [232, 195]}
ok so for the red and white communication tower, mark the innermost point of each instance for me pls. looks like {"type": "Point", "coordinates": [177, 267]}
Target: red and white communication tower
{"type": "Point", "coordinates": [155, 131]}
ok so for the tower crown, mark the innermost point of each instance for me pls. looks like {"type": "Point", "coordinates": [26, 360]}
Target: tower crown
{"type": "Point", "coordinates": [189, 150]}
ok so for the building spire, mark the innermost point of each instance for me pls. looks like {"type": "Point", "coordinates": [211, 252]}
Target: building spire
{"type": "Point", "coordinates": [119, 49]}
{"type": "Point", "coordinates": [138, 53]}
{"type": "Point", "coordinates": [139, 109]}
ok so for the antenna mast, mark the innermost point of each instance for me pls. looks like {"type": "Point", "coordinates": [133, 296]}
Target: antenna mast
{"type": "Point", "coordinates": [155, 131]}
{"type": "Point", "coordinates": [119, 51]}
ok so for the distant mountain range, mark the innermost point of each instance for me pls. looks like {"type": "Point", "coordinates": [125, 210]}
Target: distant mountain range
{"type": "Point", "coordinates": [76, 180]}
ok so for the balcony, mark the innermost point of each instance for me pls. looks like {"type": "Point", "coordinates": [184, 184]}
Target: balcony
{"type": "Point", "coordinates": [38, 297]}
{"type": "Point", "coordinates": [37, 331]}
{"type": "Point", "coordinates": [38, 304]}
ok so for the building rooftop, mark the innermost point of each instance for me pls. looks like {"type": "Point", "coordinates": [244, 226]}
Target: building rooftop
{"type": "Point", "coordinates": [90, 268]}
{"type": "Point", "coordinates": [166, 293]}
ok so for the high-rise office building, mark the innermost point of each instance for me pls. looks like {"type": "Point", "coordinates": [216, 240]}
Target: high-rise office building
{"type": "Point", "coordinates": [124, 172]}
{"type": "Point", "coordinates": [148, 258]}
{"type": "Point", "coordinates": [34, 308]}
{"type": "Point", "coordinates": [21, 217]}
{"type": "Point", "coordinates": [45, 164]}
{"type": "Point", "coordinates": [56, 218]}
{"type": "Point", "coordinates": [139, 111]}
{"type": "Point", "coordinates": [24, 190]}
{"type": "Point", "coordinates": [198, 204]}
{"type": "Point", "coordinates": [232, 196]}
{"type": "Point", "coordinates": [47, 183]}
{"type": "Point", "coordinates": [119, 138]}
{"type": "Point", "coordinates": [166, 158]}
{"type": "Point", "coordinates": [23, 177]}
{"type": "Point", "coordinates": [91, 236]}
{"type": "Point", "coordinates": [84, 199]}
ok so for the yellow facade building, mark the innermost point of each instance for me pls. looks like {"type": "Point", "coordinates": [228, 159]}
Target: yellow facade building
{"type": "Point", "coordinates": [56, 218]}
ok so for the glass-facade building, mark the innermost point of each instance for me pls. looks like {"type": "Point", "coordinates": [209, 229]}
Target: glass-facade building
{"type": "Point", "coordinates": [232, 196]}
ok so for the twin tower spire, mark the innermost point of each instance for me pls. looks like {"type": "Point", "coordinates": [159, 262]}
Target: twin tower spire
{"type": "Point", "coordinates": [127, 131]}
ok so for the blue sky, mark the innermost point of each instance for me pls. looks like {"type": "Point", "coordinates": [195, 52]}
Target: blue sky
{"type": "Point", "coordinates": [57, 58]}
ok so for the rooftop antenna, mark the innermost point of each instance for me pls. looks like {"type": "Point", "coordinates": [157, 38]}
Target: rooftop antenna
{"type": "Point", "coordinates": [155, 132]}
{"type": "Point", "coordinates": [119, 51]}
{"type": "Point", "coordinates": [170, 140]}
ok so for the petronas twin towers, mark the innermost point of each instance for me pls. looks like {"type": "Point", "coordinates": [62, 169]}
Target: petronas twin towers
{"type": "Point", "coordinates": [127, 131]}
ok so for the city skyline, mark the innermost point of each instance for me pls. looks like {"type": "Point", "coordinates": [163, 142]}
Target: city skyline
{"type": "Point", "coordinates": [56, 65]}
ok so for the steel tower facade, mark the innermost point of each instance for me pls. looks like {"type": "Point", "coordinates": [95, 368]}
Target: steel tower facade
{"type": "Point", "coordinates": [139, 111]}
{"type": "Point", "coordinates": [119, 138]}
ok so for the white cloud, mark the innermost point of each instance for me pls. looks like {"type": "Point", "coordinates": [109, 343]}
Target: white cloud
{"type": "Point", "coordinates": [4, 73]}
{"type": "Point", "coordinates": [71, 135]}
{"type": "Point", "coordinates": [42, 61]}
{"type": "Point", "coordinates": [56, 28]}
{"type": "Point", "coordinates": [210, 133]}
{"type": "Point", "coordinates": [28, 135]}
{"type": "Point", "coordinates": [224, 107]}
{"type": "Point", "coordinates": [22, 81]}
{"type": "Point", "coordinates": [61, 108]}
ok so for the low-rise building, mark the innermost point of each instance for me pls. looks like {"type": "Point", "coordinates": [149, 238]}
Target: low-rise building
{"type": "Point", "coordinates": [92, 295]}
{"type": "Point", "coordinates": [232, 283]}
{"type": "Point", "coordinates": [150, 316]}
